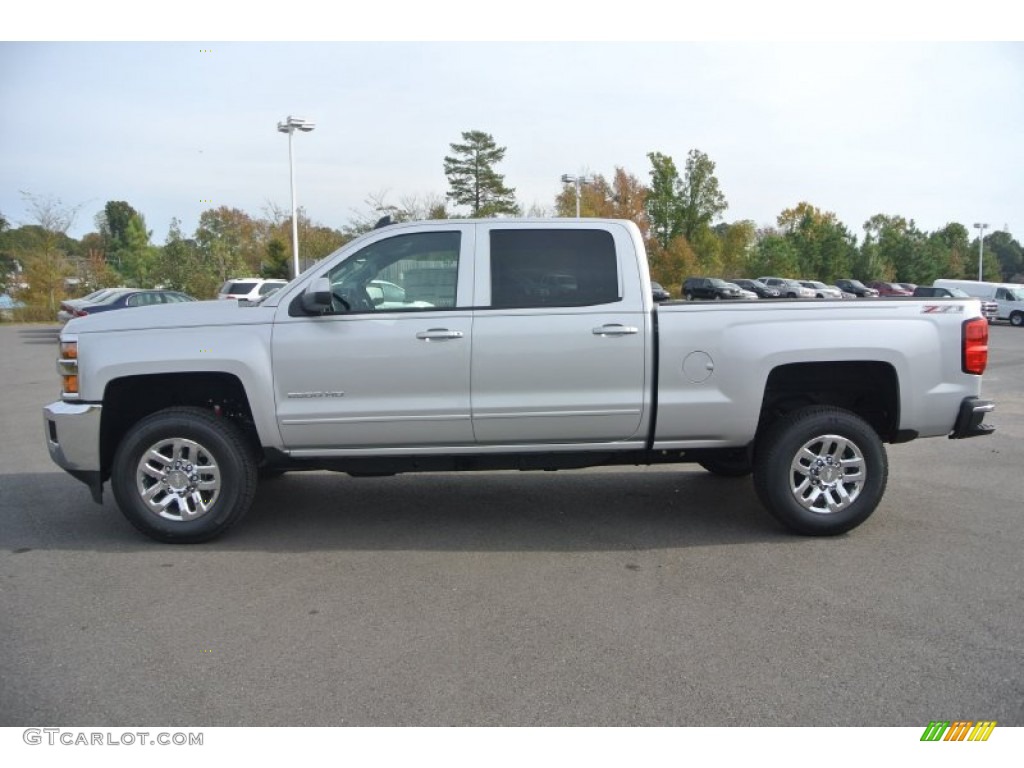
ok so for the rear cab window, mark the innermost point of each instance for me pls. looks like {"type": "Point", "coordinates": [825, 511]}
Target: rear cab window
{"type": "Point", "coordinates": [552, 268]}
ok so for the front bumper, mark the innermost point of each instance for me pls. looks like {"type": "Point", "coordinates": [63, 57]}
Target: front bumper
{"type": "Point", "coordinates": [969, 422]}
{"type": "Point", "coordinates": [72, 433]}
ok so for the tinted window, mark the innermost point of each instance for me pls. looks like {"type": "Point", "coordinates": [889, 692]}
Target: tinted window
{"type": "Point", "coordinates": [552, 268]}
{"type": "Point", "coordinates": [407, 272]}
{"type": "Point", "coordinates": [238, 287]}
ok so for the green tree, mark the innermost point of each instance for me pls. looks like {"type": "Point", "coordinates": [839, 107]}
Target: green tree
{"type": "Point", "coordinates": [112, 223]}
{"type": "Point", "coordinates": [276, 263]}
{"type": "Point", "coordinates": [134, 255]}
{"type": "Point", "coordinates": [700, 199]}
{"type": "Point", "coordinates": [773, 255]}
{"type": "Point", "coordinates": [825, 249]}
{"type": "Point", "coordinates": [950, 251]}
{"type": "Point", "coordinates": [663, 200]}
{"type": "Point", "coordinates": [472, 179]}
{"type": "Point", "coordinates": [183, 266]}
{"type": "Point", "coordinates": [1008, 252]}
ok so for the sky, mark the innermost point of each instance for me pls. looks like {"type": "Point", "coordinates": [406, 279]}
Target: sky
{"type": "Point", "coordinates": [923, 129]}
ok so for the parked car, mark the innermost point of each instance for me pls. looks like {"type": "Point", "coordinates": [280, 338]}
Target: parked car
{"type": "Point", "coordinates": [856, 287]}
{"type": "Point", "coordinates": [908, 287]}
{"type": "Point", "coordinates": [68, 306]}
{"type": "Point", "coordinates": [744, 293]}
{"type": "Point", "coordinates": [125, 298]}
{"type": "Point", "coordinates": [251, 288]}
{"type": "Point", "coordinates": [890, 289]}
{"type": "Point", "coordinates": [659, 293]}
{"type": "Point", "coordinates": [788, 289]}
{"type": "Point", "coordinates": [709, 288]}
{"type": "Point", "coordinates": [760, 289]}
{"type": "Point", "coordinates": [822, 291]}
{"type": "Point", "coordinates": [988, 308]}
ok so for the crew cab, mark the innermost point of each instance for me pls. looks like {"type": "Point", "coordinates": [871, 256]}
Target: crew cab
{"type": "Point", "coordinates": [525, 344]}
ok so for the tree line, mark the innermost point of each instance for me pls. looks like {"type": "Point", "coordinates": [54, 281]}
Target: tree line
{"type": "Point", "coordinates": [679, 213]}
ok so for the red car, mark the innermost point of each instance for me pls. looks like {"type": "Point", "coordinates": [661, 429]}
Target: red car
{"type": "Point", "coordinates": [890, 289]}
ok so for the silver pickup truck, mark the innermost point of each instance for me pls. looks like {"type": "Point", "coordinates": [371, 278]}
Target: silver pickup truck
{"type": "Point", "coordinates": [498, 344]}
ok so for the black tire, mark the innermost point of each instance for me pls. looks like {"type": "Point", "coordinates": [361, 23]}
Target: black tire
{"type": "Point", "coordinates": [729, 462]}
{"type": "Point", "coordinates": [812, 496]}
{"type": "Point", "coordinates": [1017, 319]}
{"type": "Point", "coordinates": [200, 475]}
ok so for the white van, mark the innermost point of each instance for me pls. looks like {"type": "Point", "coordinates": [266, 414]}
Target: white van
{"type": "Point", "coordinates": [1008, 296]}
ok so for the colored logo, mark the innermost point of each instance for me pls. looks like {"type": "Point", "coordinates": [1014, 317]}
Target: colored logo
{"type": "Point", "coordinates": [959, 730]}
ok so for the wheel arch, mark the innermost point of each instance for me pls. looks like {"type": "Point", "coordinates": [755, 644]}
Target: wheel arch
{"type": "Point", "coordinates": [868, 388]}
{"type": "Point", "coordinates": [129, 399]}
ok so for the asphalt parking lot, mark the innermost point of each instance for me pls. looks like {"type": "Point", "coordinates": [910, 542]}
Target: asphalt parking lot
{"type": "Point", "coordinates": [648, 596]}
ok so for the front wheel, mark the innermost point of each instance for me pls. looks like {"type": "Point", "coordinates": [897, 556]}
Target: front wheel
{"type": "Point", "coordinates": [184, 475]}
{"type": "Point", "coordinates": [820, 471]}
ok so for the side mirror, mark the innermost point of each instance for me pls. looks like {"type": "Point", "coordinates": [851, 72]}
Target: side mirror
{"type": "Point", "coordinates": [316, 299]}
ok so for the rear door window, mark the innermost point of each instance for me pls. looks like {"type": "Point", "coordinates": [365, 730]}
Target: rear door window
{"type": "Point", "coordinates": [553, 268]}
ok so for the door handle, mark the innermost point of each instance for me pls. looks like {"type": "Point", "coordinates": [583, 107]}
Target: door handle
{"type": "Point", "coordinates": [438, 334]}
{"type": "Point", "coordinates": [614, 329]}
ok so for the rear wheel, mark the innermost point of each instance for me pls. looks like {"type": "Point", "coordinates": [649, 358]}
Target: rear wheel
{"type": "Point", "coordinates": [1017, 319]}
{"type": "Point", "coordinates": [820, 470]}
{"type": "Point", "coordinates": [184, 475]}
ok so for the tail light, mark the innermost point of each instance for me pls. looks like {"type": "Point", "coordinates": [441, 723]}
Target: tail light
{"type": "Point", "coordinates": [974, 346]}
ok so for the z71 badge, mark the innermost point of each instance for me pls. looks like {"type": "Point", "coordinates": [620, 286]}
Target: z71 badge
{"type": "Point", "coordinates": [942, 309]}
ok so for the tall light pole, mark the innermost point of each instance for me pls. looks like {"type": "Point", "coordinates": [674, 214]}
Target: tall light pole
{"type": "Point", "coordinates": [289, 126]}
{"type": "Point", "coordinates": [981, 243]}
{"type": "Point", "coordinates": [577, 180]}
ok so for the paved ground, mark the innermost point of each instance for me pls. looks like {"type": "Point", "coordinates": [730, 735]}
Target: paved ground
{"type": "Point", "coordinates": [601, 597]}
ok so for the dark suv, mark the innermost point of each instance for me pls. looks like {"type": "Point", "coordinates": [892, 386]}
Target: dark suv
{"type": "Point", "coordinates": [857, 288]}
{"type": "Point", "coordinates": [709, 288]}
{"type": "Point", "coordinates": [763, 291]}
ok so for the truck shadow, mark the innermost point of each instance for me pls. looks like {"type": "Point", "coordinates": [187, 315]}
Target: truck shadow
{"type": "Point", "coordinates": [589, 510]}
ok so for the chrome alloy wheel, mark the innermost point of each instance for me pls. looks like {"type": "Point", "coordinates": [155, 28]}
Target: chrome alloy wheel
{"type": "Point", "coordinates": [178, 479]}
{"type": "Point", "coordinates": [827, 474]}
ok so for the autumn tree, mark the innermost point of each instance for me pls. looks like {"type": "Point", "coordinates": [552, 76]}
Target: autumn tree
{"type": "Point", "coordinates": [472, 180]}
{"type": "Point", "coordinates": [738, 241]}
{"type": "Point", "coordinates": [46, 262]}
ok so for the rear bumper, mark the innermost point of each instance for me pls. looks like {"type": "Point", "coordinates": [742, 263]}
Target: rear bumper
{"type": "Point", "coordinates": [970, 420]}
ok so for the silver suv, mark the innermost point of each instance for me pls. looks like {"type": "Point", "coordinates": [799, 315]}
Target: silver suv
{"type": "Point", "coordinates": [250, 288]}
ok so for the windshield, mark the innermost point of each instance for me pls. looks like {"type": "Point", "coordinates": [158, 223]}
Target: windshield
{"type": "Point", "coordinates": [1016, 293]}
